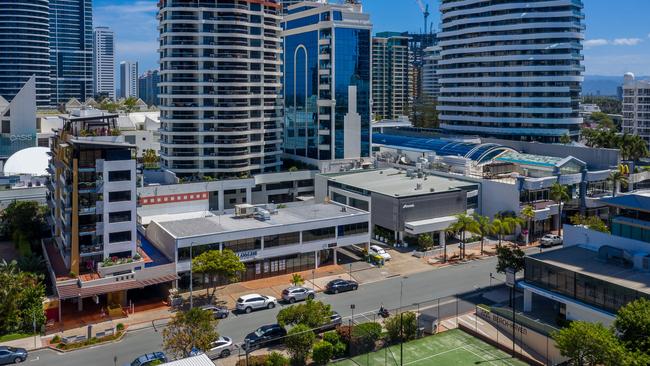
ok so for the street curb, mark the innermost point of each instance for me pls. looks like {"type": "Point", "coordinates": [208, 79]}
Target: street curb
{"type": "Point", "coordinates": [63, 351]}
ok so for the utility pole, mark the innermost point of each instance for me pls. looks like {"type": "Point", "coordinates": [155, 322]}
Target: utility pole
{"type": "Point", "coordinates": [191, 279]}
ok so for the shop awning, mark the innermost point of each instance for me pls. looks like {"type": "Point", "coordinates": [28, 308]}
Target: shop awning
{"type": "Point", "coordinates": [429, 225]}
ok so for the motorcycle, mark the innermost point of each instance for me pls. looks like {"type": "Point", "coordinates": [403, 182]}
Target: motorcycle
{"type": "Point", "coordinates": [383, 312]}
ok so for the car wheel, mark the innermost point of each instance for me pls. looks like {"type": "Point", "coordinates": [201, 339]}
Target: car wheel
{"type": "Point", "coordinates": [336, 291]}
{"type": "Point", "coordinates": [310, 296]}
{"type": "Point", "coordinates": [248, 310]}
{"type": "Point", "coordinates": [18, 360]}
{"type": "Point", "coordinates": [225, 353]}
{"type": "Point", "coordinates": [292, 300]}
{"type": "Point", "coordinates": [355, 288]}
{"type": "Point", "coordinates": [271, 305]}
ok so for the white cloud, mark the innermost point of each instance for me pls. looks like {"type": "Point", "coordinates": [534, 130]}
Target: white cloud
{"type": "Point", "coordinates": [627, 41]}
{"type": "Point", "coordinates": [596, 42]}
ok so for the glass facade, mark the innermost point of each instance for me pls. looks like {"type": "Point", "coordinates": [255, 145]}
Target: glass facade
{"type": "Point", "coordinates": [24, 51]}
{"type": "Point", "coordinates": [321, 62]}
{"type": "Point", "coordinates": [71, 50]}
{"type": "Point", "coordinates": [604, 295]}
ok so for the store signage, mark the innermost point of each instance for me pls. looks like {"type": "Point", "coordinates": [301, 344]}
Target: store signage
{"type": "Point", "coordinates": [409, 205]}
{"type": "Point", "coordinates": [248, 254]}
{"type": "Point", "coordinates": [499, 320]}
{"type": "Point", "coordinates": [14, 138]}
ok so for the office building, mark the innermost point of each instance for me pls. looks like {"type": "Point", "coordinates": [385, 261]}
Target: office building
{"type": "Point", "coordinates": [104, 62]}
{"type": "Point", "coordinates": [286, 3]}
{"type": "Point", "coordinates": [430, 82]}
{"type": "Point", "coordinates": [327, 87]}
{"type": "Point", "coordinates": [93, 254]}
{"type": "Point", "coordinates": [221, 106]}
{"type": "Point", "coordinates": [636, 107]}
{"type": "Point", "coordinates": [148, 87]}
{"type": "Point", "coordinates": [514, 74]}
{"type": "Point", "coordinates": [128, 79]}
{"type": "Point", "coordinates": [25, 49]}
{"type": "Point", "coordinates": [71, 50]}
{"type": "Point", "coordinates": [270, 241]}
{"type": "Point", "coordinates": [390, 75]}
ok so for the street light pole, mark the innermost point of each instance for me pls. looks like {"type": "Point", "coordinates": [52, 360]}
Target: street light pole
{"type": "Point", "coordinates": [191, 278]}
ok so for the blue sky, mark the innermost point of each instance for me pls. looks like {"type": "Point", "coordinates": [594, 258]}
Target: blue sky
{"type": "Point", "coordinates": [617, 36]}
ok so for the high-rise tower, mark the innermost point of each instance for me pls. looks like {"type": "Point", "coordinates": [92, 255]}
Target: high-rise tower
{"type": "Point", "coordinates": [104, 62]}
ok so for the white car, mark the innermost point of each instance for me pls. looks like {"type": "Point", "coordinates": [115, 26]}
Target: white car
{"type": "Point", "coordinates": [550, 240]}
{"type": "Point", "coordinates": [221, 348]}
{"type": "Point", "coordinates": [248, 303]}
{"type": "Point", "coordinates": [380, 251]}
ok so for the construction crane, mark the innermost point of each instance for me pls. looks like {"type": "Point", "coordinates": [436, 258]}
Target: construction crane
{"type": "Point", "coordinates": [425, 10]}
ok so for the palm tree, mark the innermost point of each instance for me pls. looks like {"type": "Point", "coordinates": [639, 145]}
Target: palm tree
{"type": "Point", "coordinates": [149, 158]}
{"type": "Point", "coordinates": [505, 225]}
{"type": "Point", "coordinates": [638, 148]}
{"type": "Point", "coordinates": [617, 179]}
{"type": "Point", "coordinates": [528, 214]}
{"type": "Point", "coordinates": [463, 224]}
{"type": "Point", "coordinates": [560, 194]}
{"type": "Point", "coordinates": [483, 228]}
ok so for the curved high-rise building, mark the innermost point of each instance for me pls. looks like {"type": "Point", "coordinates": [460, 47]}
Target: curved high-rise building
{"type": "Point", "coordinates": [24, 48]}
{"type": "Point", "coordinates": [220, 90]}
{"type": "Point", "coordinates": [511, 68]}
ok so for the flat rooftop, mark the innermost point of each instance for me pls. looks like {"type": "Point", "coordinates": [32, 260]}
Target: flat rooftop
{"type": "Point", "coordinates": [395, 183]}
{"type": "Point", "coordinates": [292, 214]}
{"type": "Point", "coordinates": [585, 261]}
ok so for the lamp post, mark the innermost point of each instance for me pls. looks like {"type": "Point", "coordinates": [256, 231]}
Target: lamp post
{"type": "Point", "coordinates": [191, 278]}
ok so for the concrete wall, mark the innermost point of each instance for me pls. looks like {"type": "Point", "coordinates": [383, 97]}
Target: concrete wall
{"type": "Point", "coordinates": [595, 158]}
{"type": "Point", "coordinates": [578, 312]}
{"type": "Point", "coordinates": [576, 235]}
{"type": "Point", "coordinates": [496, 197]}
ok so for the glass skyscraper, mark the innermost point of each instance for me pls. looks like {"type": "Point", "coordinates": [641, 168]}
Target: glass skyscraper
{"type": "Point", "coordinates": [24, 48]}
{"type": "Point", "coordinates": [511, 68]}
{"type": "Point", "coordinates": [326, 81]}
{"type": "Point", "coordinates": [71, 50]}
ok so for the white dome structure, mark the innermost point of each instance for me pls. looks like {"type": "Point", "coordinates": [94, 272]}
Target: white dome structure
{"type": "Point", "coordinates": [33, 161]}
{"type": "Point", "coordinates": [628, 77]}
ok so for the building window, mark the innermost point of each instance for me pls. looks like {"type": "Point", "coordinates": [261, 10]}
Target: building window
{"type": "Point", "coordinates": [318, 234]}
{"type": "Point", "coordinates": [184, 253]}
{"type": "Point", "coordinates": [119, 196]}
{"type": "Point", "coordinates": [119, 176]}
{"type": "Point", "coordinates": [243, 244]}
{"type": "Point", "coordinates": [121, 216]}
{"type": "Point", "coordinates": [360, 204]}
{"type": "Point", "coordinates": [119, 236]}
{"type": "Point", "coordinates": [353, 229]}
{"type": "Point", "coordinates": [281, 239]}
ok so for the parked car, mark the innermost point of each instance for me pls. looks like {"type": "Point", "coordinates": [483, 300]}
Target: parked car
{"type": "Point", "coordinates": [380, 251]}
{"type": "Point", "coordinates": [340, 285]}
{"type": "Point", "coordinates": [334, 321]}
{"type": "Point", "coordinates": [550, 240]}
{"type": "Point", "coordinates": [297, 293]}
{"type": "Point", "coordinates": [148, 359]}
{"type": "Point", "coordinates": [248, 303]}
{"type": "Point", "coordinates": [12, 355]}
{"type": "Point", "coordinates": [220, 312]}
{"type": "Point", "coordinates": [264, 336]}
{"type": "Point", "coordinates": [221, 348]}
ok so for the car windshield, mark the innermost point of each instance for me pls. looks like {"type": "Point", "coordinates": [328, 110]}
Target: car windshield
{"type": "Point", "coordinates": [240, 300]}
{"type": "Point", "coordinates": [11, 349]}
{"type": "Point", "coordinates": [136, 363]}
{"type": "Point", "coordinates": [265, 297]}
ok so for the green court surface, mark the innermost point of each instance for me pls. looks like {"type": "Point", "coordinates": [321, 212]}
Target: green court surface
{"type": "Point", "coordinates": [453, 347]}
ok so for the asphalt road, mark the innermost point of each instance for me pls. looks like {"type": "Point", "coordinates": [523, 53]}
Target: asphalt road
{"type": "Point", "coordinates": [420, 287]}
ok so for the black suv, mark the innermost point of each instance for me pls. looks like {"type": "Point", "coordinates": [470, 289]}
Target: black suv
{"type": "Point", "coordinates": [264, 336]}
{"type": "Point", "coordinates": [341, 285]}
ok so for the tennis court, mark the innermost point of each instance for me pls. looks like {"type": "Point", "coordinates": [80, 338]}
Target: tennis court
{"type": "Point", "coordinates": [453, 347]}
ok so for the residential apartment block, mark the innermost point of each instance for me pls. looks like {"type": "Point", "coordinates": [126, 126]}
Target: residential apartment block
{"type": "Point", "coordinates": [220, 88]}
{"type": "Point", "coordinates": [104, 62]}
{"type": "Point", "coordinates": [511, 70]}
{"type": "Point", "coordinates": [148, 89]}
{"type": "Point", "coordinates": [128, 79]}
{"type": "Point", "coordinates": [390, 75]}
{"type": "Point", "coordinates": [430, 78]}
{"type": "Point", "coordinates": [327, 75]}
{"type": "Point", "coordinates": [636, 107]}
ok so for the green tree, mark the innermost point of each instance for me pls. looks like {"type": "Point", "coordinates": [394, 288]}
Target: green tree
{"type": "Point", "coordinates": [633, 325]}
{"type": "Point", "coordinates": [528, 214]}
{"type": "Point", "coordinates": [190, 329]}
{"type": "Point", "coordinates": [463, 224]}
{"type": "Point", "coordinates": [276, 359]}
{"type": "Point", "coordinates": [508, 257]}
{"type": "Point", "coordinates": [21, 299]}
{"type": "Point", "coordinates": [297, 280]}
{"type": "Point", "coordinates": [617, 179]}
{"type": "Point", "coordinates": [402, 328]}
{"type": "Point", "coordinates": [364, 337]}
{"type": "Point", "coordinates": [483, 228]}
{"type": "Point", "coordinates": [603, 120]}
{"type": "Point", "coordinates": [322, 353]}
{"type": "Point", "coordinates": [425, 241]}
{"type": "Point", "coordinates": [504, 225]}
{"type": "Point", "coordinates": [218, 267]}
{"type": "Point", "coordinates": [129, 104]}
{"type": "Point", "coordinates": [335, 340]}
{"type": "Point", "coordinates": [150, 159]}
{"type": "Point", "coordinates": [23, 218]}
{"type": "Point", "coordinates": [299, 342]}
{"type": "Point", "coordinates": [589, 344]}
{"type": "Point", "coordinates": [609, 105]}
{"type": "Point", "coordinates": [565, 139]}
{"type": "Point", "coordinates": [311, 313]}
{"type": "Point", "coordinates": [560, 194]}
